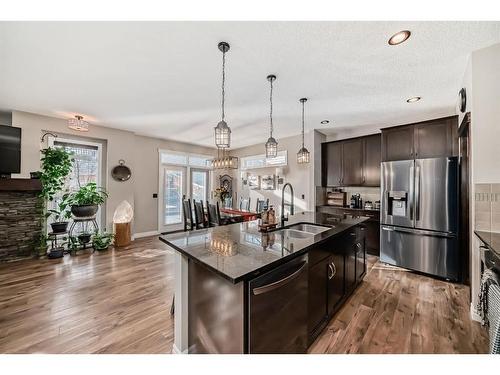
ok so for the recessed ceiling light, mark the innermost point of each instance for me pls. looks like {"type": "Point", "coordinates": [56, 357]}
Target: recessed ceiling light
{"type": "Point", "coordinates": [324, 122]}
{"type": "Point", "coordinates": [414, 99]}
{"type": "Point", "coordinates": [399, 38]}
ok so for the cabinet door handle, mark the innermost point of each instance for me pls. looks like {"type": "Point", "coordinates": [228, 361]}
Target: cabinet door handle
{"type": "Point", "coordinates": [332, 270]}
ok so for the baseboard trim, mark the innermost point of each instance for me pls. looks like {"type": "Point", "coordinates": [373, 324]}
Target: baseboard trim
{"type": "Point", "coordinates": [176, 350]}
{"type": "Point", "coordinates": [145, 234]}
{"type": "Point", "coordinates": [474, 314]}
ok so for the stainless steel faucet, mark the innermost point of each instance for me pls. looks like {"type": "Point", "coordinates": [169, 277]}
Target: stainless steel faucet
{"type": "Point", "coordinates": [283, 204]}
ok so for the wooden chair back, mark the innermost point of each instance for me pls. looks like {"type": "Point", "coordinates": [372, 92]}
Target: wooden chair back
{"type": "Point", "coordinates": [187, 213]}
{"type": "Point", "coordinates": [199, 215]}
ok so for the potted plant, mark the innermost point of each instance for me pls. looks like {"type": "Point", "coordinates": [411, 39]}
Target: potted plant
{"type": "Point", "coordinates": [60, 216]}
{"type": "Point", "coordinates": [41, 245]}
{"type": "Point", "coordinates": [86, 201]}
{"type": "Point", "coordinates": [101, 241]}
{"type": "Point", "coordinates": [84, 237]}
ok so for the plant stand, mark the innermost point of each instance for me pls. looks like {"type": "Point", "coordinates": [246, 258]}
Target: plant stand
{"type": "Point", "coordinates": [53, 237]}
{"type": "Point", "coordinates": [84, 223]}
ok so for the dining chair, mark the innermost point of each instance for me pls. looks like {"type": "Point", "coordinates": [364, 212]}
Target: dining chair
{"type": "Point", "coordinates": [188, 215]}
{"type": "Point", "coordinates": [199, 215]}
{"type": "Point", "coordinates": [245, 204]}
{"type": "Point", "coordinates": [262, 204]}
{"type": "Point", "coordinates": [213, 214]}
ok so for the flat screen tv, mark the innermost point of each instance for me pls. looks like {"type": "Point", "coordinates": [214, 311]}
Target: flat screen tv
{"type": "Point", "coordinates": [10, 149]}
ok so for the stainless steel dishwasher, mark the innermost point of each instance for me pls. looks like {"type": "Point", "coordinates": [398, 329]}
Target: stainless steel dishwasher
{"type": "Point", "coordinates": [277, 319]}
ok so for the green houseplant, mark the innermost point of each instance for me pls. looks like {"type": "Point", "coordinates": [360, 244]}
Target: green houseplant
{"type": "Point", "coordinates": [41, 245]}
{"type": "Point", "coordinates": [101, 241]}
{"type": "Point", "coordinates": [86, 201]}
{"type": "Point", "coordinates": [56, 165]}
{"type": "Point", "coordinates": [60, 215]}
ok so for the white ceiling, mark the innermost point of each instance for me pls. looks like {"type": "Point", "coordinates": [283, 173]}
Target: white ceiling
{"type": "Point", "coordinates": [162, 79]}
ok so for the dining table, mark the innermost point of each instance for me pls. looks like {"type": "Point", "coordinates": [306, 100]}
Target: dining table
{"type": "Point", "coordinates": [237, 216]}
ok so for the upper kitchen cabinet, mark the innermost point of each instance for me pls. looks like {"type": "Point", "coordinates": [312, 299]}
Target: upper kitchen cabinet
{"type": "Point", "coordinates": [352, 162]}
{"type": "Point", "coordinates": [332, 164]}
{"type": "Point", "coordinates": [372, 157]}
{"type": "Point", "coordinates": [437, 138]}
{"type": "Point", "coordinates": [427, 139]}
{"type": "Point", "coordinates": [397, 143]}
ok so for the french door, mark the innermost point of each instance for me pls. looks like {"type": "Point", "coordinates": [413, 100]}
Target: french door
{"type": "Point", "coordinates": [174, 188]}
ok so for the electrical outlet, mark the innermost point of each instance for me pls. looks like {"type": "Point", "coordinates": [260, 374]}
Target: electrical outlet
{"type": "Point", "coordinates": [155, 195]}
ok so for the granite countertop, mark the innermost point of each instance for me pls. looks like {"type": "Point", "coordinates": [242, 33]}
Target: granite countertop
{"type": "Point", "coordinates": [239, 251]}
{"type": "Point", "coordinates": [491, 240]}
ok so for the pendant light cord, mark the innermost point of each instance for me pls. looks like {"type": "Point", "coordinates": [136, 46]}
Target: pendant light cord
{"type": "Point", "coordinates": [223, 81]}
{"type": "Point", "coordinates": [271, 109]}
{"type": "Point", "coordinates": [303, 103]}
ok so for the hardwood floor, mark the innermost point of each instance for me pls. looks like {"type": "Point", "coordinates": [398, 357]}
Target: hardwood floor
{"type": "Point", "coordinates": [118, 302]}
{"type": "Point", "coordinates": [397, 311]}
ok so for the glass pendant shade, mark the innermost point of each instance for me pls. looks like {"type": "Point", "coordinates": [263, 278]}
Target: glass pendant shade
{"type": "Point", "coordinates": [224, 161]}
{"type": "Point", "coordinates": [303, 156]}
{"type": "Point", "coordinates": [271, 148]}
{"type": "Point", "coordinates": [222, 130]}
{"type": "Point", "coordinates": [222, 135]}
{"type": "Point", "coordinates": [78, 123]}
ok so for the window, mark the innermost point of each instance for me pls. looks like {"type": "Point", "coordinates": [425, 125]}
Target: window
{"type": "Point", "coordinates": [260, 161]}
{"type": "Point", "coordinates": [178, 158]}
{"type": "Point", "coordinates": [87, 167]}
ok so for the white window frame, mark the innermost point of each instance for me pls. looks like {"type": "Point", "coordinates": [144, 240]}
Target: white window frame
{"type": "Point", "coordinates": [51, 140]}
{"type": "Point", "coordinates": [188, 180]}
{"type": "Point", "coordinates": [263, 157]}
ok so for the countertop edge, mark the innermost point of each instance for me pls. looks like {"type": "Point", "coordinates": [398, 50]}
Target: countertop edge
{"type": "Point", "coordinates": [270, 266]}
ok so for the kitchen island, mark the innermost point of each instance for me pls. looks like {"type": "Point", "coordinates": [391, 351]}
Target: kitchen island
{"type": "Point", "coordinates": [241, 291]}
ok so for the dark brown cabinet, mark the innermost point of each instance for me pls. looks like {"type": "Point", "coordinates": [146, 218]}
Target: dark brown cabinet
{"type": "Point", "coordinates": [371, 160]}
{"type": "Point", "coordinates": [335, 274]}
{"type": "Point", "coordinates": [372, 235]}
{"type": "Point", "coordinates": [397, 143]}
{"type": "Point", "coordinates": [318, 284]}
{"type": "Point", "coordinates": [335, 269]}
{"type": "Point", "coordinates": [427, 139]}
{"type": "Point", "coordinates": [332, 158]}
{"type": "Point", "coordinates": [352, 162]}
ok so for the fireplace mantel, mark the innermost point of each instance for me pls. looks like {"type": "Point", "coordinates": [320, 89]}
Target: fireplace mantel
{"type": "Point", "coordinates": [20, 184]}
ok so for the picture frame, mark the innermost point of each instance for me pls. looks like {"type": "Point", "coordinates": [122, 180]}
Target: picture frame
{"type": "Point", "coordinates": [268, 182]}
{"type": "Point", "coordinates": [254, 182]}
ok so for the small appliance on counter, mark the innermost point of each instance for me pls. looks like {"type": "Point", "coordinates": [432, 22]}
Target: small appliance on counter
{"type": "Point", "coordinates": [368, 205]}
{"type": "Point", "coordinates": [376, 205]}
{"type": "Point", "coordinates": [336, 198]}
{"type": "Point", "coordinates": [356, 201]}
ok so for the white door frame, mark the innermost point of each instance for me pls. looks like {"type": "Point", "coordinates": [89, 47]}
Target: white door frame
{"type": "Point", "coordinates": [187, 187]}
{"type": "Point", "coordinates": [163, 168]}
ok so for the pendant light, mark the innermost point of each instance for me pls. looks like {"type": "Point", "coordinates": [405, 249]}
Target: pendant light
{"type": "Point", "coordinates": [271, 144]}
{"type": "Point", "coordinates": [303, 155]}
{"type": "Point", "coordinates": [222, 131]}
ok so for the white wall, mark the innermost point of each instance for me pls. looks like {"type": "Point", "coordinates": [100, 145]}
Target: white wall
{"type": "Point", "coordinates": [482, 83]}
{"type": "Point", "coordinates": [140, 154]}
{"type": "Point", "coordinates": [302, 177]}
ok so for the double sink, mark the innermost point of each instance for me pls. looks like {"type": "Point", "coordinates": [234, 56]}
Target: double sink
{"type": "Point", "coordinates": [303, 231]}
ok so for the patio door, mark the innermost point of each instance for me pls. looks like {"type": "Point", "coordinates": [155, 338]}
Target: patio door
{"type": "Point", "coordinates": [174, 185]}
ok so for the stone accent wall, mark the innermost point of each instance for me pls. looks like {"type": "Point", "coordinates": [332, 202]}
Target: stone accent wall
{"type": "Point", "coordinates": [20, 223]}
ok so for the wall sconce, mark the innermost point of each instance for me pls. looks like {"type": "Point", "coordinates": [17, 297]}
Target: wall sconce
{"type": "Point", "coordinates": [279, 175]}
{"type": "Point", "coordinates": [244, 177]}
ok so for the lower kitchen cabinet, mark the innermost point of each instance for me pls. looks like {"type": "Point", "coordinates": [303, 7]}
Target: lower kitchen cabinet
{"type": "Point", "coordinates": [335, 269]}
{"type": "Point", "coordinates": [335, 289]}
{"type": "Point", "coordinates": [318, 291]}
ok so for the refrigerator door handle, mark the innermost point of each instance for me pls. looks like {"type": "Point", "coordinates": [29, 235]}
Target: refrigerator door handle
{"type": "Point", "coordinates": [421, 232]}
{"type": "Point", "coordinates": [388, 229]}
{"type": "Point", "coordinates": [417, 193]}
{"type": "Point", "coordinates": [410, 193]}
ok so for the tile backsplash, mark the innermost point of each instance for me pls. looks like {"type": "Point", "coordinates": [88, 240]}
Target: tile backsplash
{"type": "Point", "coordinates": [487, 207]}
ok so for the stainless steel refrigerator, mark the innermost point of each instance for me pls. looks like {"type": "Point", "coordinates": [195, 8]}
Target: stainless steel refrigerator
{"type": "Point", "coordinates": [419, 216]}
